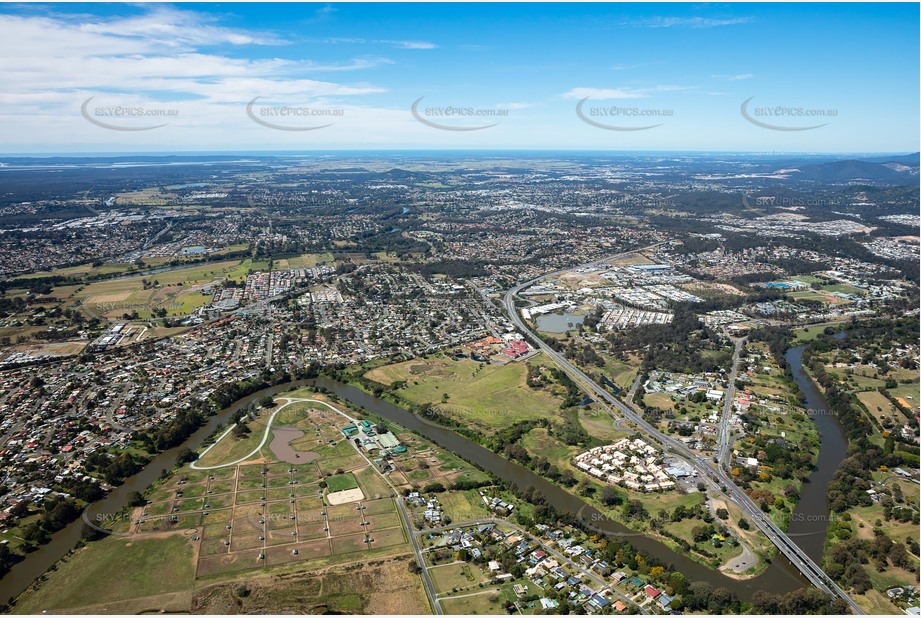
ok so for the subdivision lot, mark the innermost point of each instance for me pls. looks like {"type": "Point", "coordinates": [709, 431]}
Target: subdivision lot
{"type": "Point", "coordinates": [446, 577]}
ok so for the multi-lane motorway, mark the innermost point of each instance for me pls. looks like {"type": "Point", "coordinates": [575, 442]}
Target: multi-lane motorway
{"type": "Point", "coordinates": [810, 570]}
{"type": "Point", "coordinates": [725, 436]}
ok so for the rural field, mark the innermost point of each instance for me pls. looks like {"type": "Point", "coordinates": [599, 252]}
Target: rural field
{"type": "Point", "coordinates": [878, 405]}
{"type": "Point", "coordinates": [135, 573]}
{"type": "Point", "coordinates": [178, 291]}
{"type": "Point", "coordinates": [487, 396]}
{"type": "Point", "coordinates": [305, 260]}
{"type": "Point", "coordinates": [382, 586]}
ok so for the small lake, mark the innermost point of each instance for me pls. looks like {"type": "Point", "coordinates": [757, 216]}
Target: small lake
{"type": "Point", "coordinates": [558, 322]}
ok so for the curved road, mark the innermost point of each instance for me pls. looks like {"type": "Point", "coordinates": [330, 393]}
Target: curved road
{"type": "Point", "coordinates": [265, 438]}
{"type": "Point", "coordinates": [788, 548]}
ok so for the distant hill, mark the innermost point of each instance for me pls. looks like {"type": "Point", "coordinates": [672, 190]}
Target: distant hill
{"type": "Point", "coordinates": [909, 160]}
{"type": "Point", "coordinates": [895, 170]}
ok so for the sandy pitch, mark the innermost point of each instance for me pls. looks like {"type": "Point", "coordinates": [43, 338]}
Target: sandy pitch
{"type": "Point", "coordinates": [345, 496]}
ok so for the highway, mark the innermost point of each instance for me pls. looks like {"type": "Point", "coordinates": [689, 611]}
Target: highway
{"type": "Point", "coordinates": [810, 570]}
{"type": "Point", "coordinates": [725, 440]}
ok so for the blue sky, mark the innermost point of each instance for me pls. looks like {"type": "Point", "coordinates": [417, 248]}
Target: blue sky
{"type": "Point", "coordinates": [505, 76]}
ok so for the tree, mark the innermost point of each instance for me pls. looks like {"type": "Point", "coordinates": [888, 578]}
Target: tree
{"type": "Point", "coordinates": [7, 558]}
{"type": "Point", "coordinates": [185, 455]}
{"type": "Point", "coordinates": [34, 533]}
{"type": "Point", "coordinates": [136, 498]}
{"type": "Point", "coordinates": [722, 513]}
{"type": "Point", "coordinates": [701, 533]}
{"type": "Point", "coordinates": [677, 582]}
{"type": "Point", "coordinates": [900, 557]}
{"type": "Point", "coordinates": [610, 496]}
{"type": "Point", "coordinates": [60, 514]}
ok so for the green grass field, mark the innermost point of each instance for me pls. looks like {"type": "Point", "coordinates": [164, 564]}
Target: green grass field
{"type": "Point", "coordinates": [305, 260]}
{"type": "Point", "coordinates": [538, 441]}
{"type": "Point", "coordinates": [115, 569]}
{"type": "Point", "coordinates": [463, 505]}
{"type": "Point", "coordinates": [490, 397]}
{"type": "Point", "coordinates": [809, 333]}
{"type": "Point", "coordinates": [449, 576]}
{"type": "Point", "coordinates": [231, 448]}
{"type": "Point", "coordinates": [819, 295]}
{"type": "Point", "coordinates": [179, 290]}
{"type": "Point", "coordinates": [341, 482]}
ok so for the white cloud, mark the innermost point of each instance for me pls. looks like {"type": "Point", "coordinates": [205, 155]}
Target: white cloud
{"type": "Point", "coordinates": [411, 44]}
{"type": "Point", "coordinates": [683, 22]}
{"type": "Point", "coordinates": [392, 43]}
{"type": "Point", "coordinates": [163, 59]}
{"type": "Point", "coordinates": [175, 28]}
{"type": "Point", "coordinates": [734, 78]}
{"type": "Point", "coordinates": [51, 59]}
{"type": "Point", "coordinates": [620, 93]}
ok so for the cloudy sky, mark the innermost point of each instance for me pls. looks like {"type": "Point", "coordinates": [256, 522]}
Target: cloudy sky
{"type": "Point", "coordinates": [245, 77]}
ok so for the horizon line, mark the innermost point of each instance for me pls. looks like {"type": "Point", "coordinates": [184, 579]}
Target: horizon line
{"type": "Point", "coordinates": [180, 153]}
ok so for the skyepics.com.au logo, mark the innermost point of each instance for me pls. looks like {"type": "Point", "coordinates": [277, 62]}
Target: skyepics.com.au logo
{"type": "Point", "coordinates": [766, 201]}
{"type": "Point", "coordinates": [270, 198]}
{"type": "Point", "coordinates": [612, 117]}
{"type": "Point", "coordinates": [121, 524]}
{"type": "Point", "coordinates": [816, 523]}
{"type": "Point", "coordinates": [292, 117]}
{"type": "Point", "coordinates": [118, 117]}
{"type": "Point", "coordinates": [598, 522]}
{"type": "Point", "coordinates": [454, 118]}
{"type": "Point", "coordinates": [779, 115]}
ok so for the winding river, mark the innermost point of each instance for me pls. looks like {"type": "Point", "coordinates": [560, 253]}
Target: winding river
{"type": "Point", "coordinates": [780, 576]}
{"type": "Point", "coordinates": [808, 524]}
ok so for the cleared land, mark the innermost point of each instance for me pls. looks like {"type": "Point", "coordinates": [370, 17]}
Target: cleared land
{"type": "Point", "coordinates": [878, 405]}
{"type": "Point", "coordinates": [378, 587]}
{"type": "Point", "coordinates": [116, 569]}
{"type": "Point", "coordinates": [305, 260]}
{"type": "Point", "coordinates": [179, 291]}
{"type": "Point", "coordinates": [489, 396]}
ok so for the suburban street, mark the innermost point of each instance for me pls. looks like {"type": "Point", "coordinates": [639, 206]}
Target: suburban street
{"type": "Point", "coordinates": [557, 555]}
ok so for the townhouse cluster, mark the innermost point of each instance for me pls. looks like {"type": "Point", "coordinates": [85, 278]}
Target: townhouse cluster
{"type": "Point", "coordinates": [629, 462]}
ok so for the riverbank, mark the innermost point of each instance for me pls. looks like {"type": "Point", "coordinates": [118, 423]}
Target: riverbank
{"type": "Point", "coordinates": [63, 542]}
{"type": "Point", "coordinates": [780, 576]}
